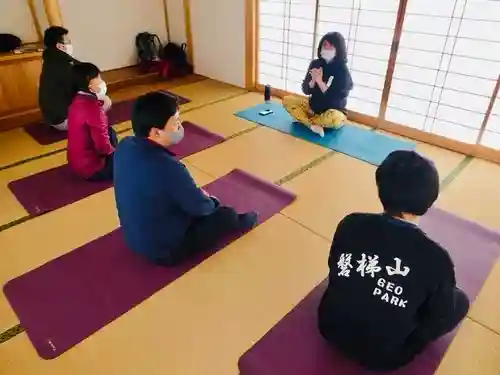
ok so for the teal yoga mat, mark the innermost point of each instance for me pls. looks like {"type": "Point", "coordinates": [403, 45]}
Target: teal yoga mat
{"type": "Point", "coordinates": [363, 144]}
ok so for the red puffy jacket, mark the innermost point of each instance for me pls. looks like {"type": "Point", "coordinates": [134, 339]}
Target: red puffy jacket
{"type": "Point", "coordinates": [88, 135]}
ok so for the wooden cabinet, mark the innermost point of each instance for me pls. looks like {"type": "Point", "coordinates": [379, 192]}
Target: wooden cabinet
{"type": "Point", "coordinates": [19, 76]}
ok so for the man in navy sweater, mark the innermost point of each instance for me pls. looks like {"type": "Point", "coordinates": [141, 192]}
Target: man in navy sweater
{"type": "Point", "coordinates": [164, 215]}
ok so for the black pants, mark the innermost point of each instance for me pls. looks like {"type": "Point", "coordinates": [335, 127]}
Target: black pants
{"type": "Point", "coordinates": [443, 322]}
{"type": "Point", "coordinates": [432, 328]}
{"type": "Point", "coordinates": [204, 233]}
{"type": "Point", "coordinates": [106, 173]}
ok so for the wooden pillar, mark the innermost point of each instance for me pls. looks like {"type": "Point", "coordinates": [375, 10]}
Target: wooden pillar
{"type": "Point", "coordinates": [36, 22]}
{"type": "Point", "coordinates": [53, 12]}
{"type": "Point", "coordinates": [398, 29]}
{"type": "Point", "coordinates": [167, 23]}
{"type": "Point", "coordinates": [189, 32]}
{"type": "Point", "coordinates": [489, 110]}
{"type": "Point", "coordinates": [251, 46]}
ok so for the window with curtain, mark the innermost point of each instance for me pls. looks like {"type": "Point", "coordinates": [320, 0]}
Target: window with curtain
{"type": "Point", "coordinates": [445, 70]}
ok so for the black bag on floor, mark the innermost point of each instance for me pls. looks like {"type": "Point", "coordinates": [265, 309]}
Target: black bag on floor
{"type": "Point", "coordinates": [175, 61]}
{"type": "Point", "coordinates": [149, 49]}
{"type": "Point", "coordinates": [9, 43]}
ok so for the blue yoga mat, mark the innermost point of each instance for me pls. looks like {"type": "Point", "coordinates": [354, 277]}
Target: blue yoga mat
{"type": "Point", "coordinates": [360, 143]}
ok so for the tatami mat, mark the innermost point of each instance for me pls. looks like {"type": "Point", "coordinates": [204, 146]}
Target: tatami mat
{"type": "Point", "coordinates": [475, 351]}
{"type": "Point", "coordinates": [474, 194]}
{"type": "Point", "coordinates": [264, 152]}
{"type": "Point", "coordinates": [205, 92]}
{"type": "Point", "coordinates": [204, 321]}
{"type": "Point", "coordinates": [35, 242]}
{"type": "Point", "coordinates": [486, 309]}
{"type": "Point", "coordinates": [446, 161]}
{"type": "Point", "coordinates": [219, 117]}
{"type": "Point", "coordinates": [326, 193]}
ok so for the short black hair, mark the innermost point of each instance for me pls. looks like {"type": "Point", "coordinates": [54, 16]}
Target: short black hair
{"type": "Point", "coordinates": [407, 183]}
{"type": "Point", "coordinates": [337, 40]}
{"type": "Point", "coordinates": [83, 73]}
{"type": "Point", "coordinates": [54, 35]}
{"type": "Point", "coordinates": [152, 110]}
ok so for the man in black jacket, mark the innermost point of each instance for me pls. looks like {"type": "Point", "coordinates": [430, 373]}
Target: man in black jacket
{"type": "Point", "coordinates": [56, 88]}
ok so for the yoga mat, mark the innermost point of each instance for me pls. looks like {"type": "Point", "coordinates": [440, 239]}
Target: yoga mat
{"type": "Point", "coordinates": [118, 113]}
{"type": "Point", "coordinates": [57, 187]}
{"type": "Point", "coordinates": [69, 298]}
{"type": "Point", "coordinates": [360, 143]}
{"type": "Point", "coordinates": [295, 347]}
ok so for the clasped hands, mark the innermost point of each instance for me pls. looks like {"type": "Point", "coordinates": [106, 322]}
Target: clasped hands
{"type": "Point", "coordinates": [316, 75]}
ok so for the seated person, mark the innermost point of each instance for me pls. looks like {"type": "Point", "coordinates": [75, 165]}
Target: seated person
{"type": "Point", "coordinates": [91, 141]}
{"type": "Point", "coordinates": [392, 289]}
{"type": "Point", "coordinates": [165, 217]}
{"type": "Point", "coordinates": [55, 91]}
{"type": "Point", "coordinates": [327, 83]}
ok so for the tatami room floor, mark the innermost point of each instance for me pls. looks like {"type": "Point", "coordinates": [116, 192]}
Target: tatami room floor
{"type": "Point", "coordinates": [204, 321]}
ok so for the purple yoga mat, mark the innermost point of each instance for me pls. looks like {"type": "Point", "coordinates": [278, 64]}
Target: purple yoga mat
{"type": "Point", "coordinates": [55, 188]}
{"type": "Point", "coordinates": [119, 112]}
{"type": "Point", "coordinates": [68, 299]}
{"type": "Point", "coordinates": [295, 347]}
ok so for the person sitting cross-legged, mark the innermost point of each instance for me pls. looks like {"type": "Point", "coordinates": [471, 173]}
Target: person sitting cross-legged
{"type": "Point", "coordinates": [91, 140]}
{"type": "Point", "coordinates": [327, 85]}
{"type": "Point", "coordinates": [392, 289]}
{"type": "Point", "coordinates": [165, 217]}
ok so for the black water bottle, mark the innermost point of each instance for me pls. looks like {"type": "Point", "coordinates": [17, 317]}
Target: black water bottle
{"type": "Point", "coordinates": [267, 93]}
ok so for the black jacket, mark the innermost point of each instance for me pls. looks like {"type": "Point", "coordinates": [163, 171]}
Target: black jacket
{"type": "Point", "coordinates": [341, 82]}
{"type": "Point", "coordinates": [55, 92]}
{"type": "Point", "coordinates": [386, 279]}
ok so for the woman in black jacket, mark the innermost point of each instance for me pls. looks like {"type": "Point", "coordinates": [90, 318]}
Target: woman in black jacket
{"type": "Point", "coordinates": [327, 83]}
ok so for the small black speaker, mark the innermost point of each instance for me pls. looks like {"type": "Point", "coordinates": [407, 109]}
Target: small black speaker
{"type": "Point", "coordinates": [267, 93]}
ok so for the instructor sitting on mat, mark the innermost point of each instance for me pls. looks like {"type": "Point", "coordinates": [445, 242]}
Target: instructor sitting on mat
{"type": "Point", "coordinates": [327, 83]}
{"type": "Point", "coordinates": [392, 289]}
{"type": "Point", "coordinates": [165, 217]}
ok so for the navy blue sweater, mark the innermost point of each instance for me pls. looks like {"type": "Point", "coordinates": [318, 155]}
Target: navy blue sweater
{"type": "Point", "coordinates": [156, 197]}
{"type": "Point", "coordinates": [335, 97]}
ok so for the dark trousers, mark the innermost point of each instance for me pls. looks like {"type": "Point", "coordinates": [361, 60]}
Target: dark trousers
{"type": "Point", "coordinates": [106, 173]}
{"type": "Point", "coordinates": [431, 328]}
{"type": "Point", "coordinates": [203, 234]}
{"type": "Point", "coordinates": [440, 323]}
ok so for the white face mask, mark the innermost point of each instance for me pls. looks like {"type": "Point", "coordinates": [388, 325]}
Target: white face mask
{"type": "Point", "coordinates": [327, 54]}
{"type": "Point", "coordinates": [177, 136]}
{"type": "Point", "coordinates": [103, 90]}
{"type": "Point", "coordinates": [68, 48]}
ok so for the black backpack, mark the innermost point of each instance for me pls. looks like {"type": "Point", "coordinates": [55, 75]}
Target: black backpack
{"type": "Point", "coordinates": [148, 47]}
{"type": "Point", "coordinates": [175, 61]}
{"type": "Point", "coordinates": [9, 43]}
{"type": "Point", "coordinates": [175, 54]}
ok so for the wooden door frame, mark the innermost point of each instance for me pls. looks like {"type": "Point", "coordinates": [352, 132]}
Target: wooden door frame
{"type": "Point", "coordinates": [391, 65]}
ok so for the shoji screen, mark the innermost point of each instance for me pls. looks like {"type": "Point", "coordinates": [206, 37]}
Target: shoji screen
{"type": "Point", "coordinates": [286, 38]}
{"type": "Point", "coordinates": [491, 135]}
{"type": "Point", "coordinates": [368, 26]}
{"type": "Point", "coordinates": [447, 66]}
